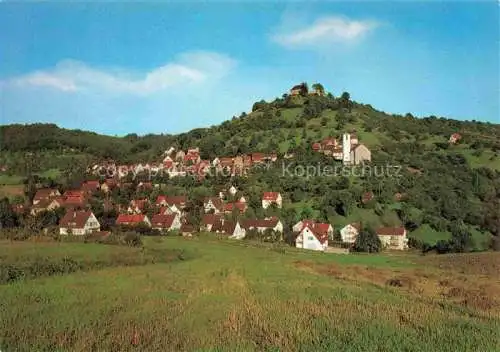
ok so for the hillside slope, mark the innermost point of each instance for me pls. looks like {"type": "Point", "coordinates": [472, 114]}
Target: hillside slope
{"type": "Point", "coordinates": [444, 184]}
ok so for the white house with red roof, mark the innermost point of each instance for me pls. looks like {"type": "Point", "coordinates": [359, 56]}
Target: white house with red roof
{"type": "Point", "coordinates": [165, 223]}
{"type": "Point", "coordinates": [350, 232]}
{"type": "Point", "coordinates": [229, 207]}
{"type": "Point", "coordinates": [209, 220]}
{"type": "Point", "coordinates": [393, 237]}
{"type": "Point", "coordinates": [213, 205]}
{"type": "Point", "coordinates": [312, 237]}
{"type": "Point", "coordinates": [269, 198]}
{"type": "Point", "coordinates": [78, 223]}
{"type": "Point", "coordinates": [45, 194]}
{"type": "Point", "coordinates": [132, 219]}
{"type": "Point", "coordinates": [261, 225]}
{"type": "Point", "coordinates": [322, 227]}
{"type": "Point", "coordinates": [138, 206]}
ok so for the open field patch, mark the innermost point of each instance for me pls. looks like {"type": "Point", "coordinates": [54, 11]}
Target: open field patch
{"type": "Point", "coordinates": [231, 297]}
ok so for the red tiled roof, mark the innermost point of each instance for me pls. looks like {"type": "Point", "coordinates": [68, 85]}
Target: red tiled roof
{"type": "Point", "coordinates": [74, 200]}
{"type": "Point", "coordinates": [216, 201]}
{"type": "Point", "coordinates": [161, 199]}
{"type": "Point", "coordinates": [391, 231]}
{"type": "Point", "coordinates": [239, 205]}
{"type": "Point", "coordinates": [316, 146]}
{"type": "Point", "coordinates": [75, 219]}
{"type": "Point", "coordinates": [125, 219]}
{"type": "Point", "coordinates": [266, 223]}
{"type": "Point", "coordinates": [139, 203]}
{"type": "Point", "coordinates": [321, 228]}
{"type": "Point", "coordinates": [273, 196]}
{"type": "Point", "coordinates": [226, 161]}
{"type": "Point", "coordinates": [163, 221]}
{"type": "Point", "coordinates": [176, 200]}
{"type": "Point", "coordinates": [321, 236]}
{"type": "Point", "coordinates": [210, 219]}
{"type": "Point", "coordinates": [74, 193]}
{"type": "Point", "coordinates": [257, 157]}
{"type": "Point", "coordinates": [90, 185]}
{"type": "Point", "coordinates": [44, 193]}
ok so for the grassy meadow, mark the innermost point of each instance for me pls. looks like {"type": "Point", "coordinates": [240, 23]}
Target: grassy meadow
{"type": "Point", "coordinates": [208, 294]}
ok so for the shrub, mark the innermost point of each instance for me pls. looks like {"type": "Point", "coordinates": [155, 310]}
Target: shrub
{"type": "Point", "coordinates": [367, 241]}
{"type": "Point", "coordinates": [132, 239]}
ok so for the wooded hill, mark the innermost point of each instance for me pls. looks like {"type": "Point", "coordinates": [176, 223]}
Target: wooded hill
{"type": "Point", "coordinates": [445, 184]}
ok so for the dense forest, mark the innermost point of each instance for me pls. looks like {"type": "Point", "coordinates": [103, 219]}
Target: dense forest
{"type": "Point", "coordinates": [445, 185]}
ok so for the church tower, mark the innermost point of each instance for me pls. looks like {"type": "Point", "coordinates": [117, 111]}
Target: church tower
{"type": "Point", "coordinates": [346, 148]}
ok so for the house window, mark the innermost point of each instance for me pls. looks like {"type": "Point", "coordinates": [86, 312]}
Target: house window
{"type": "Point", "coordinates": [310, 238]}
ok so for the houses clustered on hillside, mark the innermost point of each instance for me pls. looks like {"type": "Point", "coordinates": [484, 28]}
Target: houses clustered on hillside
{"type": "Point", "coordinates": [178, 163]}
{"type": "Point", "coordinates": [170, 216]}
{"type": "Point", "coordinates": [350, 152]}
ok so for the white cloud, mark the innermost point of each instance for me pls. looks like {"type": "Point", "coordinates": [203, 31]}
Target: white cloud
{"type": "Point", "coordinates": [325, 30]}
{"type": "Point", "coordinates": [71, 76]}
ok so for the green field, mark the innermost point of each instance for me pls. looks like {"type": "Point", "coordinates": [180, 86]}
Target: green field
{"type": "Point", "coordinates": [231, 296]}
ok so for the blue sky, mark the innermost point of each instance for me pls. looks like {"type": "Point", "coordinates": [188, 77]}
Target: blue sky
{"type": "Point", "coordinates": [119, 68]}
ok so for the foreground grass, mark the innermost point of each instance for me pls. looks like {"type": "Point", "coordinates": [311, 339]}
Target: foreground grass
{"type": "Point", "coordinates": [232, 297]}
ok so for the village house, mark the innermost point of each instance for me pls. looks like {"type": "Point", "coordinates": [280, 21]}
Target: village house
{"type": "Point", "coordinates": [257, 158]}
{"type": "Point", "coordinates": [359, 154]}
{"type": "Point", "coordinates": [78, 223]}
{"type": "Point", "coordinates": [299, 89]}
{"type": "Point", "coordinates": [233, 190]}
{"type": "Point", "coordinates": [234, 230]}
{"type": "Point", "coordinates": [455, 138]}
{"type": "Point", "coordinates": [213, 205]}
{"type": "Point", "coordinates": [164, 223]}
{"type": "Point", "coordinates": [318, 226]}
{"type": "Point", "coordinates": [241, 206]}
{"type": "Point", "coordinates": [74, 199]}
{"type": "Point", "coordinates": [47, 205]}
{"type": "Point", "coordinates": [270, 198]}
{"type": "Point", "coordinates": [393, 237]}
{"type": "Point", "coordinates": [209, 220]}
{"type": "Point", "coordinates": [108, 185]}
{"type": "Point", "coordinates": [90, 186]}
{"type": "Point", "coordinates": [138, 206]}
{"type": "Point", "coordinates": [132, 220]}
{"type": "Point", "coordinates": [350, 232]}
{"type": "Point", "coordinates": [161, 201]}
{"type": "Point", "coordinates": [312, 237]}
{"type": "Point", "coordinates": [45, 193]}
{"type": "Point", "coordinates": [261, 225]}
{"type": "Point", "coordinates": [178, 201]}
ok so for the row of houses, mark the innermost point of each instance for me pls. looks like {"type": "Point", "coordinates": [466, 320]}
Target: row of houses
{"type": "Point", "coordinates": [350, 151]}
{"type": "Point", "coordinates": [308, 234]}
{"type": "Point", "coordinates": [180, 163]}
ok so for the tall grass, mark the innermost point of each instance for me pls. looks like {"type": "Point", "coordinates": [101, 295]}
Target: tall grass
{"type": "Point", "coordinates": [233, 297]}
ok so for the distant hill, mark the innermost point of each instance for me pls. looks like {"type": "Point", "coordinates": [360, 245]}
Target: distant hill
{"type": "Point", "coordinates": [285, 124]}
